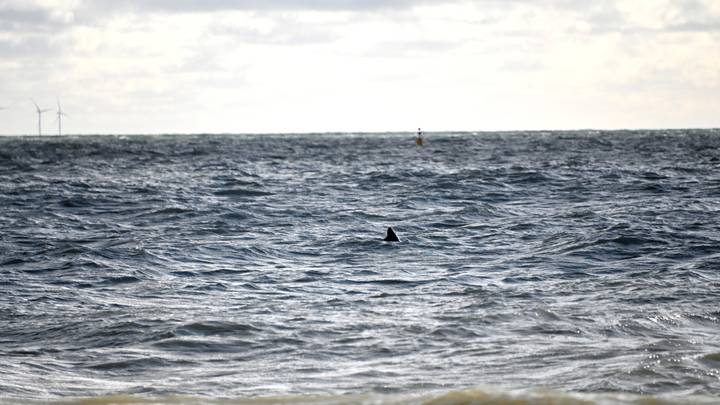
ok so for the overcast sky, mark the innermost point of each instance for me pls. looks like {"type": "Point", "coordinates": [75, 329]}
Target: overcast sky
{"type": "Point", "coordinates": [208, 66]}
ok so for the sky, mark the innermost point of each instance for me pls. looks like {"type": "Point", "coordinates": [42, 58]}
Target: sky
{"type": "Point", "coordinates": [265, 66]}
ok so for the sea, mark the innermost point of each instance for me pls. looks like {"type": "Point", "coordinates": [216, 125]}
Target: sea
{"type": "Point", "coordinates": [556, 267]}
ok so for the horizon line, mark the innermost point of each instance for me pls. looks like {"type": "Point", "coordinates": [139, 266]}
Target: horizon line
{"type": "Point", "coordinates": [464, 131]}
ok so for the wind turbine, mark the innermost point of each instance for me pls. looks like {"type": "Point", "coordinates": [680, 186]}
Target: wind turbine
{"type": "Point", "coordinates": [60, 114]}
{"type": "Point", "coordinates": [40, 113]}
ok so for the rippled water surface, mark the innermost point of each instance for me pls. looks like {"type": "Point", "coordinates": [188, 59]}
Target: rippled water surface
{"type": "Point", "coordinates": [585, 263]}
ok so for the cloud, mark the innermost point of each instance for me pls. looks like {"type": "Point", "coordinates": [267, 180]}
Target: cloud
{"type": "Point", "coordinates": [411, 48]}
{"type": "Point", "coordinates": [656, 16]}
{"type": "Point", "coordinates": [27, 47]}
{"type": "Point", "coordinates": [12, 19]}
{"type": "Point", "coordinates": [187, 65]}
{"type": "Point", "coordinates": [522, 65]}
{"type": "Point", "coordinates": [279, 31]}
{"type": "Point", "coordinates": [258, 5]}
{"type": "Point", "coordinates": [56, 15]}
{"type": "Point", "coordinates": [32, 17]}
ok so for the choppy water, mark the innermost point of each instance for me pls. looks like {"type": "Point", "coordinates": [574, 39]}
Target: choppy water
{"type": "Point", "coordinates": [574, 266]}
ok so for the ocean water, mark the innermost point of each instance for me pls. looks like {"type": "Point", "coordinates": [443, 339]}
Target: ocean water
{"type": "Point", "coordinates": [534, 267]}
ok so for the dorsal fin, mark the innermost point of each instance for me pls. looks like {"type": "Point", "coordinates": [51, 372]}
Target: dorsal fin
{"type": "Point", "coordinates": [391, 236]}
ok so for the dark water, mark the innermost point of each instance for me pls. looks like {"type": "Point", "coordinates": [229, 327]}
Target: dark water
{"type": "Point", "coordinates": [581, 265]}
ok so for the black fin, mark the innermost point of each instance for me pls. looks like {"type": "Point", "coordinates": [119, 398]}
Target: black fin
{"type": "Point", "coordinates": [391, 237]}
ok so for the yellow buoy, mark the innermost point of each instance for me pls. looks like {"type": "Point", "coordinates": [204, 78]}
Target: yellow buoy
{"type": "Point", "coordinates": [419, 139]}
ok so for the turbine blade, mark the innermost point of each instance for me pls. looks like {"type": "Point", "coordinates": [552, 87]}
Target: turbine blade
{"type": "Point", "coordinates": [36, 106]}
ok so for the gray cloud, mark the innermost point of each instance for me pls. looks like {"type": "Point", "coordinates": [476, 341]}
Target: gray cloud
{"type": "Point", "coordinates": [26, 47]}
{"type": "Point", "coordinates": [16, 16]}
{"type": "Point", "coordinates": [12, 18]}
{"type": "Point", "coordinates": [698, 26]}
{"type": "Point", "coordinates": [257, 5]}
{"type": "Point", "coordinates": [33, 18]}
{"type": "Point", "coordinates": [601, 16]}
{"type": "Point", "coordinates": [695, 17]}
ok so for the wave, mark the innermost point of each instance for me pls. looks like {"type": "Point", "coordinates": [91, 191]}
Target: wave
{"type": "Point", "coordinates": [258, 258]}
{"type": "Point", "coordinates": [241, 192]}
{"type": "Point", "coordinates": [478, 396]}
